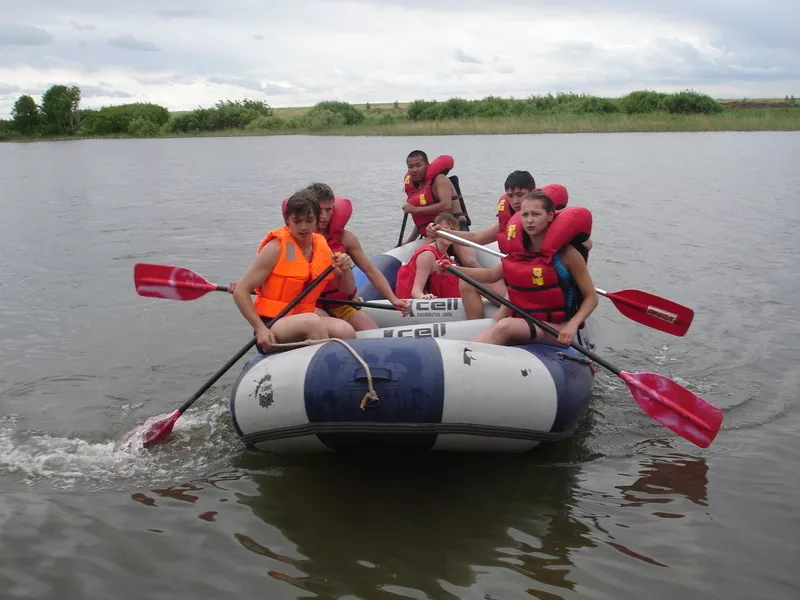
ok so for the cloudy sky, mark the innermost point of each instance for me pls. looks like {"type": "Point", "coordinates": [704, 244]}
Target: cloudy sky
{"type": "Point", "coordinates": [184, 54]}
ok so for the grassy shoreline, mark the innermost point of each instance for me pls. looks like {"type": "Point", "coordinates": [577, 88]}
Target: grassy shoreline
{"type": "Point", "coordinates": [745, 120]}
{"type": "Point", "coordinates": [738, 115]}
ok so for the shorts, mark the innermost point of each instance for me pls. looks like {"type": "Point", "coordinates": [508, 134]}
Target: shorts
{"type": "Point", "coordinates": [531, 325]}
{"type": "Point", "coordinates": [343, 311]}
{"type": "Point", "coordinates": [462, 221]}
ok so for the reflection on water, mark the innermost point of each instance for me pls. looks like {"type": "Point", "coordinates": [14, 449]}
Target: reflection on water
{"type": "Point", "coordinates": [665, 476]}
{"type": "Point", "coordinates": [365, 524]}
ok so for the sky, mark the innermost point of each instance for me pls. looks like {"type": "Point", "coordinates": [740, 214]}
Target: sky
{"type": "Point", "coordinates": [183, 54]}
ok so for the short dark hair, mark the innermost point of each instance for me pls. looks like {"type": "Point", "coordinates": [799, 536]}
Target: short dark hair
{"type": "Point", "coordinates": [522, 180]}
{"type": "Point", "coordinates": [322, 191]}
{"type": "Point", "coordinates": [419, 153]}
{"type": "Point", "coordinates": [301, 204]}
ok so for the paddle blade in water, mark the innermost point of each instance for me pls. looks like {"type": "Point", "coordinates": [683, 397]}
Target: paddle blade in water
{"type": "Point", "coordinates": [171, 283]}
{"type": "Point", "coordinates": [160, 429]}
{"type": "Point", "coordinates": [675, 407]}
{"type": "Point", "coordinates": [653, 311]}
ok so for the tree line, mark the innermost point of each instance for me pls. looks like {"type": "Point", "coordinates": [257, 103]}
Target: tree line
{"type": "Point", "coordinates": [59, 113]}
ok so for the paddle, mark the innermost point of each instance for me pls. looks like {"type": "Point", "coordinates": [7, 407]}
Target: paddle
{"type": "Point", "coordinates": [672, 405]}
{"type": "Point", "coordinates": [162, 428]}
{"type": "Point", "coordinates": [177, 283]}
{"type": "Point", "coordinates": [642, 307]}
{"type": "Point", "coordinates": [402, 230]}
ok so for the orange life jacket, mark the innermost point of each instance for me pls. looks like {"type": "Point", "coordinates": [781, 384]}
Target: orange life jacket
{"type": "Point", "coordinates": [291, 273]}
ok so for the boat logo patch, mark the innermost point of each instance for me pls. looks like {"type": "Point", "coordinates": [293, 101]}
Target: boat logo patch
{"type": "Point", "coordinates": [264, 391]}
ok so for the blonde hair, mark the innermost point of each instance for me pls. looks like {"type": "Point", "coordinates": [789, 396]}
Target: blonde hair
{"type": "Point", "coordinates": [447, 218]}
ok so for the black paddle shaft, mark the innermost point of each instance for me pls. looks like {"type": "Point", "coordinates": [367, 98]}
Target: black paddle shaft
{"type": "Point", "coordinates": [489, 293]}
{"type": "Point", "coordinates": [402, 230]}
{"type": "Point", "coordinates": [252, 342]}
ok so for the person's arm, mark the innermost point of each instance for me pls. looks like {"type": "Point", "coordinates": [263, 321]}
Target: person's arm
{"type": "Point", "coordinates": [344, 280]}
{"type": "Point", "coordinates": [580, 273]}
{"type": "Point", "coordinates": [479, 274]}
{"type": "Point", "coordinates": [255, 275]}
{"type": "Point", "coordinates": [443, 190]}
{"type": "Point", "coordinates": [353, 247]}
{"type": "Point", "coordinates": [425, 262]}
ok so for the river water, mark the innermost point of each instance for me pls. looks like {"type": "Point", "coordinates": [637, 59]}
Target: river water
{"type": "Point", "coordinates": [624, 509]}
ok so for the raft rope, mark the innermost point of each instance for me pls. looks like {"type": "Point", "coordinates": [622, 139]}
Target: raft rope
{"type": "Point", "coordinates": [371, 397]}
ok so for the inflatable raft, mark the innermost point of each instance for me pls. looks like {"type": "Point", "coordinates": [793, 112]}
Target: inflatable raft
{"type": "Point", "coordinates": [437, 390]}
{"type": "Point", "coordinates": [433, 394]}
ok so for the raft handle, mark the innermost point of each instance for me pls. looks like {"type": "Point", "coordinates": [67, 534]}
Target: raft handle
{"type": "Point", "coordinates": [377, 373]}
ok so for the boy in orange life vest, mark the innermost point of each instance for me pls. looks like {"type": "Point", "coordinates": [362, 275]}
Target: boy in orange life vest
{"type": "Point", "coordinates": [288, 259]}
{"type": "Point", "coordinates": [416, 278]}
{"type": "Point", "coordinates": [440, 197]}
{"type": "Point", "coordinates": [342, 241]}
{"type": "Point", "coordinates": [517, 185]}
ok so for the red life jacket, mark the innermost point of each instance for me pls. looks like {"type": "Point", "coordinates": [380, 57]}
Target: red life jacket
{"type": "Point", "coordinates": [424, 196]}
{"type": "Point", "coordinates": [532, 279]}
{"type": "Point", "coordinates": [555, 191]}
{"type": "Point", "coordinates": [558, 194]}
{"type": "Point", "coordinates": [342, 210]}
{"type": "Point", "coordinates": [442, 285]}
{"type": "Point", "coordinates": [504, 212]}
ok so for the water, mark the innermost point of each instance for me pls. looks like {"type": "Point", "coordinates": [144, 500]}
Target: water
{"type": "Point", "coordinates": [624, 509]}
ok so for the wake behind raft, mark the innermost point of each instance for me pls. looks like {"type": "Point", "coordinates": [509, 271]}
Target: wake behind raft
{"type": "Point", "coordinates": [436, 390]}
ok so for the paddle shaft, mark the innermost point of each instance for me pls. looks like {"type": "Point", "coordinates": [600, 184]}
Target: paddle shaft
{"type": "Point", "coordinates": [460, 240]}
{"type": "Point", "coordinates": [402, 230]}
{"type": "Point", "coordinates": [530, 319]}
{"type": "Point", "coordinates": [357, 303]}
{"type": "Point", "coordinates": [252, 342]}
{"type": "Point", "coordinates": [224, 288]}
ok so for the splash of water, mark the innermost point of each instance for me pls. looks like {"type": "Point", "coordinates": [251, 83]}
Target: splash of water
{"type": "Point", "coordinates": [200, 440]}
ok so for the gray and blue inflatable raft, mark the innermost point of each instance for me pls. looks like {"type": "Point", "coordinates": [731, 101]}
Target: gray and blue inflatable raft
{"type": "Point", "coordinates": [436, 389]}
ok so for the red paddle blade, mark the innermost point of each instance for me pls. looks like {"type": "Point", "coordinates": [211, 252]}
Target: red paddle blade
{"type": "Point", "coordinates": [653, 311]}
{"type": "Point", "coordinates": [171, 283]}
{"type": "Point", "coordinates": [160, 429]}
{"type": "Point", "coordinates": [675, 407]}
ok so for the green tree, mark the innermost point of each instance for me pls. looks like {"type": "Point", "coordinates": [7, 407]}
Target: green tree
{"type": "Point", "coordinates": [25, 115]}
{"type": "Point", "coordinates": [60, 108]}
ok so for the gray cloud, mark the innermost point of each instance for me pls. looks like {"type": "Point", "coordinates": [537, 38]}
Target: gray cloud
{"type": "Point", "coordinates": [248, 84]}
{"type": "Point", "coordinates": [8, 89]}
{"type": "Point", "coordinates": [269, 89]}
{"type": "Point", "coordinates": [96, 91]}
{"type": "Point", "coordinates": [463, 57]}
{"type": "Point", "coordinates": [128, 42]}
{"type": "Point", "coordinates": [180, 13]}
{"type": "Point", "coordinates": [23, 35]}
{"type": "Point", "coordinates": [79, 27]}
{"type": "Point", "coordinates": [304, 55]}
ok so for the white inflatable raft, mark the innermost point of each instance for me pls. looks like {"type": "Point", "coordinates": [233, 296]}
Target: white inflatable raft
{"type": "Point", "coordinates": [434, 394]}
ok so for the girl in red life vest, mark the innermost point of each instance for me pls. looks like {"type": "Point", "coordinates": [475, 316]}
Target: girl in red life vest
{"type": "Point", "coordinates": [545, 275]}
{"type": "Point", "coordinates": [417, 279]}
{"type": "Point", "coordinates": [288, 259]}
